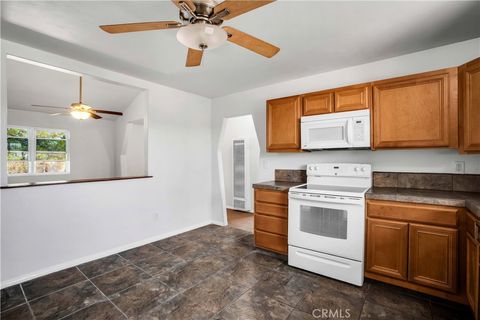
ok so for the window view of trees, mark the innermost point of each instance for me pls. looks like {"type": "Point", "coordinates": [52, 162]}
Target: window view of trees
{"type": "Point", "coordinates": [47, 147]}
{"type": "Point", "coordinates": [17, 147]}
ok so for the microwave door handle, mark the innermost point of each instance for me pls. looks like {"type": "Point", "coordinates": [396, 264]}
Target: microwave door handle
{"type": "Point", "coordinates": [349, 131]}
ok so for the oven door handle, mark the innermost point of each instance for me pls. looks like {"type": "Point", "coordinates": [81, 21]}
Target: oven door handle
{"type": "Point", "coordinates": [326, 199]}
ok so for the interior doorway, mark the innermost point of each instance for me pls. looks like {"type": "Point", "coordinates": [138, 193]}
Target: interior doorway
{"type": "Point", "coordinates": [239, 157]}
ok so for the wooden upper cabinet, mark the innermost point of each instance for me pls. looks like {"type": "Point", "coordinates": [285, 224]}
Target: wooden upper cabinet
{"type": "Point", "coordinates": [317, 103]}
{"type": "Point", "coordinates": [433, 257]}
{"type": "Point", "coordinates": [416, 111]}
{"type": "Point", "coordinates": [387, 247]}
{"type": "Point", "coordinates": [353, 98]}
{"type": "Point", "coordinates": [283, 124]}
{"type": "Point", "coordinates": [469, 134]}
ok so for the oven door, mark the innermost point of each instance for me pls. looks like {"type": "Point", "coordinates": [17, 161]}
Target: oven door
{"type": "Point", "coordinates": [327, 224]}
{"type": "Point", "coordinates": [327, 134]}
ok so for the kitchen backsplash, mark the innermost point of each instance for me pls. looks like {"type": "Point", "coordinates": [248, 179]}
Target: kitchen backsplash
{"type": "Point", "coordinates": [430, 181]}
{"type": "Point", "coordinates": [291, 175]}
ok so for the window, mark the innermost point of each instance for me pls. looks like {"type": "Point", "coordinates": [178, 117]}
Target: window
{"type": "Point", "coordinates": [37, 151]}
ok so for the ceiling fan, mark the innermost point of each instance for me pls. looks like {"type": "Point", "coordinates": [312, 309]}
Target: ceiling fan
{"type": "Point", "coordinates": [79, 110]}
{"type": "Point", "coordinates": [201, 29]}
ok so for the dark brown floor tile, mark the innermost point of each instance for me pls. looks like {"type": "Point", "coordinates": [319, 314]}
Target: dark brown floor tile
{"type": "Point", "coordinates": [234, 247]}
{"type": "Point", "coordinates": [119, 279]}
{"type": "Point", "coordinates": [340, 286]}
{"type": "Point", "coordinates": [103, 265]}
{"type": "Point", "coordinates": [139, 253]}
{"type": "Point", "coordinates": [212, 295]}
{"type": "Point", "coordinates": [444, 310]}
{"type": "Point", "coordinates": [159, 263]}
{"type": "Point", "coordinates": [264, 259]}
{"type": "Point", "coordinates": [100, 311]}
{"type": "Point", "coordinates": [230, 233]}
{"type": "Point", "coordinates": [300, 315]}
{"type": "Point", "coordinates": [184, 276]}
{"type": "Point", "coordinates": [171, 310]}
{"type": "Point", "coordinates": [376, 311]}
{"type": "Point", "coordinates": [287, 290]}
{"type": "Point", "coordinates": [248, 240]}
{"type": "Point", "coordinates": [253, 305]}
{"type": "Point", "coordinates": [140, 298]}
{"type": "Point", "coordinates": [64, 302]}
{"type": "Point", "coordinates": [193, 250]}
{"type": "Point", "coordinates": [245, 273]}
{"type": "Point", "coordinates": [203, 233]}
{"type": "Point", "coordinates": [332, 300]}
{"type": "Point", "coordinates": [52, 282]}
{"type": "Point", "coordinates": [21, 312]}
{"type": "Point", "coordinates": [393, 298]}
{"type": "Point", "coordinates": [11, 297]}
{"type": "Point", "coordinates": [171, 243]}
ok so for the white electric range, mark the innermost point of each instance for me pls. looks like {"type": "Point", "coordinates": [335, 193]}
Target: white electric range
{"type": "Point", "coordinates": [326, 221]}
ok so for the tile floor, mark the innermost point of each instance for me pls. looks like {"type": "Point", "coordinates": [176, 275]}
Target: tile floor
{"type": "Point", "coordinates": [209, 273]}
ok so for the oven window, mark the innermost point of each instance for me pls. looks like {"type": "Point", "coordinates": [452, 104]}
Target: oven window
{"type": "Point", "coordinates": [324, 222]}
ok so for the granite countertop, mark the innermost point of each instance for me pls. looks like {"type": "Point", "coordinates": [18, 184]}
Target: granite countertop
{"type": "Point", "coordinates": [276, 185]}
{"type": "Point", "coordinates": [469, 200]}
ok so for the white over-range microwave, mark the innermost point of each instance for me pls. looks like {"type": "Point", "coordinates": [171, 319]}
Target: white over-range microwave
{"type": "Point", "coordinates": [341, 130]}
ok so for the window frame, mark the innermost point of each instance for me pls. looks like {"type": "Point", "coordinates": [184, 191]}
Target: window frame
{"type": "Point", "coordinates": [32, 152]}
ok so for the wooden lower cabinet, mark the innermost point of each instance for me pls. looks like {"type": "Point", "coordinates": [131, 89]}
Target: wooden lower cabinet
{"type": "Point", "coordinates": [473, 265]}
{"type": "Point", "coordinates": [271, 220]}
{"type": "Point", "coordinates": [387, 247]}
{"type": "Point", "coordinates": [433, 256]}
{"type": "Point", "coordinates": [417, 246]}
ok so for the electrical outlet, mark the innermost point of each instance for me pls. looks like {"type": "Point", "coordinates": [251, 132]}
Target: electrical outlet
{"type": "Point", "coordinates": [459, 166]}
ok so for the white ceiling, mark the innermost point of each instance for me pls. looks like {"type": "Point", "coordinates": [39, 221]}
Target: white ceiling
{"type": "Point", "coordinates": [29, 84]}
{"type": "Point", "coordinates": [314, 37]}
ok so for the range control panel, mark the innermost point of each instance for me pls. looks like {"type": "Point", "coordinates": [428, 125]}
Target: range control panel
{"type": "Point", "coordinates": [339, 170]}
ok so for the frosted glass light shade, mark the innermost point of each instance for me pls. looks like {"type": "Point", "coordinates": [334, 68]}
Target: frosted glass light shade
{"type": "Point", "coordinates": [80, 115]}
{"type": "Point", "coordinates": [196, 35]}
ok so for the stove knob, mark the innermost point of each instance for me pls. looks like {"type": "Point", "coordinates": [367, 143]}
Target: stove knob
{"type": "Point", "coordinates": [362, 169]}
{"type": "Point", "coordinates": [355, 169]}
{"type": "Point", "coordinates": [316, 167]}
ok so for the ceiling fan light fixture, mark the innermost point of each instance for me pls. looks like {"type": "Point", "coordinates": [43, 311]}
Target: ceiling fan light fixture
{"type": "Point", "coordinates": [80, 111]}
{"type": "Point", "coordinates": [201, 36]}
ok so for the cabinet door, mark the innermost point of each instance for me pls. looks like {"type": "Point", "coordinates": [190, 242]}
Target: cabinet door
{"type": "Point", "coordinates": [353, 98]}
{"type": "Point", "coordinates": [472, 274]}
{"type": "Point", "coordinates": [283, 124]}
{"type": "Point", "coordinates": [387, 247]}
{"type": "Point", "coordinates": [433, 257]}
{"type": "Point", "coordinates": [416, 111]}
{"type": "Point", "coordinates": [470, 107]}
{"type": "Point", "coordinates": [317, 103]}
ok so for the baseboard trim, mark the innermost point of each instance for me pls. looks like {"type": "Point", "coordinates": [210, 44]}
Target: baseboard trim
{"type": "Point", "coordinates": [75, 262]}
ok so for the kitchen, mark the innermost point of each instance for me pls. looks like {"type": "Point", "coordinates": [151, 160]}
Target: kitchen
{"type": "Point", "coordinates": [363, 194]}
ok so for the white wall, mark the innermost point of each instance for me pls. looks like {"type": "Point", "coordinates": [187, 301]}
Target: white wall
{"type": "Point", "coordinates": [131, 131]}
{"type": "Point", "coordinates": [92, 145]}
{"type": "Point", "coordinates": [90, 220]}
{"type": "Point", "coordinates": [253, 102]}
{"type": "Point", "coordinates": [234, 129]}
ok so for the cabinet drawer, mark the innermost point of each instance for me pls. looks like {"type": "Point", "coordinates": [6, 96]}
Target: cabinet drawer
{"type": "Point", "coordinates": [271, 209]}
{"type": "Point", "coordinates": [411, 212]}
{"type": "Point", "coordinates": [271, 224]}
{"type": "Point", "coordinates": [269, 196]}
{"type": "Point", "coordinates": [471, 226]}
{"type": "Point", "coordinates": [271, 241]}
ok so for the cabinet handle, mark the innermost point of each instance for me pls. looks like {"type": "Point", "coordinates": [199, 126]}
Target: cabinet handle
{"type": "Point", "coordinates": [475, 231]}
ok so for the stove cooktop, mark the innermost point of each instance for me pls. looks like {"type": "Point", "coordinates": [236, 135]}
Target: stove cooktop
{"type": "Point", "coordinates": [333, 190]}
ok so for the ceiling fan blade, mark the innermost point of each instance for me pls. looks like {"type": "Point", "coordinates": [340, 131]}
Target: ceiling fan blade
{"type": "Point", "coordinates": [238, 7]}
{"type": "Point", "coordinates": [189, 3]}
{"type": "Point", "coordinates": [194, 58]}
{"type": "Point", "coordinates": [115, 113]}
{"type": "Point", "coordinates": [50, 107]}
{"type": "Point", "coordinates": [251, 43]}
{"type": "Point", "coordinates": [94, 115]}
{"type": "Point", "coordinates": [140, 26]}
